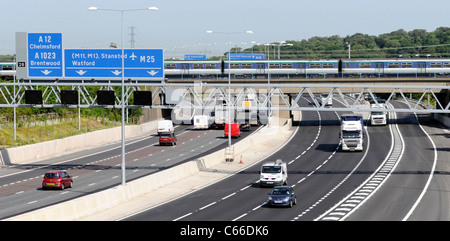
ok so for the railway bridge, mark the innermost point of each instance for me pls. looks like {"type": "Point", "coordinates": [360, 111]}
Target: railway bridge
{"type": "Point", "coordinates": [436, 87]}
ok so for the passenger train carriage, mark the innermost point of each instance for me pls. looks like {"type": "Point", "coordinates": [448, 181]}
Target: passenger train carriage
{"type": "Point", "coordinates": [310, 68]}
{"type": "Point", "coordinates": [358, 68]}
{"type": "Point", "coordinates": [7, 69]}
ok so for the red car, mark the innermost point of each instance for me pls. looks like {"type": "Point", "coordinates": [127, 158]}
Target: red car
{"type": "Point", "coordinates": [57, 179]}
{"type": "Point", "coordinates": [167, 138]}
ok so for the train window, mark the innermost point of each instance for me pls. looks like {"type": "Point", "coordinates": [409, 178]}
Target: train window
{"type": "Point", "coordinates": [421, 65]}
{"type": "Point", "coordinates": [274, 66]}
{"type": "Point", "coordinates": [327, 65]}
{"type": "Point", "coordinates": [406, 65]}
{"type": "Point", "coordinates": [314, 66]}
{"type": "Point", "coordinates": [210, 66]}
{"type": "Point", "coordinates": [234, 66]}
{"type": "Point", "coordinates": [260, 66]}
{"type": "Point", "coordinates": [379, 65]}
{"type": "Point", "coordinates": [435, 65]}
{"type": "Point", "coordinates": [301, 66]}
{"type": "Point", "coordinates": [364, 65]}
{"type": "Point", "coordinates": [286, 66]}
{"type": "Point", "coordinates": [171, 66]}
{"type": "Point", "coordinates": [246, 66]}
{"type": "Point", "coordinates": [393, 65]}
{"type": "Point", "coordinates": [198, 66]}
{"type": "Point", "coordinates": [184, 66]}
{"type": "Point", "coordinates": [446, 65]}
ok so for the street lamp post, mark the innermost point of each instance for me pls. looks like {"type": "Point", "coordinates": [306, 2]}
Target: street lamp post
{"type": "Point", "coordinates": [283, 43]}
{"type": "Point", "coordinates": [348, 45]}
{"type": "Point", "coordinates": [269, 111]}
{"type": "Point", "coordinates": [229, 77]}
{"type": "Point", "coordinates": [122, 11]}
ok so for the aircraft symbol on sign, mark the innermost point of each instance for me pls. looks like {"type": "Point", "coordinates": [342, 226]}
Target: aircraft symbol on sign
{"type": "Point", "coordinates": [133, 56]}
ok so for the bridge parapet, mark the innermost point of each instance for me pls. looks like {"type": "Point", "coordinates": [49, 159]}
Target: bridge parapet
{"type": "Point", "coordinates": [404, 82]}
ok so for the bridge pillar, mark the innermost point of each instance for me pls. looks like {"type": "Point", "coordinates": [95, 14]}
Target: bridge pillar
{"type": "Point", "coordinates": [291, 115]}
{"type": "Point", "coordinates": [444, 99]}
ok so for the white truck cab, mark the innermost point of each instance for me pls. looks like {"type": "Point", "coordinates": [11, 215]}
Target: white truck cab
{"type": "Point", "coordinates": [273, 173]}
{"type": "Point", "coordinates": [326, 100]}
{"type": "Point", "coordinates": [378, 117]}
{"type": "Point", "coordinates": [352, 132]}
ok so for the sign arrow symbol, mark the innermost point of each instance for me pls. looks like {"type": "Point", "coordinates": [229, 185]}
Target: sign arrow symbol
{"type": "Point", "coordinates": [116, 72]}
{"type": "Point", "coordinates": [46, 72]}
{"type": "Point", "coordinates": [80, 72]}
{"type": "Point", "coordinates": [152, 73]}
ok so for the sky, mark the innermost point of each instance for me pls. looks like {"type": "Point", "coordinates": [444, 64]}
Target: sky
{"type": "Point", "coordinates": [179, 26]}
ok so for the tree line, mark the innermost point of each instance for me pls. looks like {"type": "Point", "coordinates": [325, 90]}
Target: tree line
{"type": "Point", "coordinates": [417, 43]}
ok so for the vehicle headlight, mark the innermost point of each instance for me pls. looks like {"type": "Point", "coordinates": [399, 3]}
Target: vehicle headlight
{"type": "Point", "coordinates": [286, 199]}
{"type": "Point", "coordinates": [270, 198]}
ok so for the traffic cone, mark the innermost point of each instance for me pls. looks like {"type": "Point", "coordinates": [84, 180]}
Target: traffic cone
{"type": "Point", "coordinates": [241, 162]}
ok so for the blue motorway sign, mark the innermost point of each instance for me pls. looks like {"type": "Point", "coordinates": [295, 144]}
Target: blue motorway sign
{"type": "Point", "coordinates": [246, 56]}
{"type": "Point", "coordinates": [194, 56]}
{"type": "Point", "coordinates": [107, 63]}
{"type": "Point", "coordinates": [45, 54]}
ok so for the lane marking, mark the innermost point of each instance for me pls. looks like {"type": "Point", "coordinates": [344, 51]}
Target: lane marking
{"type": "Point", "coordinates": [182, 217]}
{"type": "Point", "coordinates": [229, 196]}
{"type": "Point", "coordinates": [207, 205]}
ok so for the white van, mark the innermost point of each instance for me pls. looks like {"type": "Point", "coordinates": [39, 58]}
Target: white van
{"type": "Point", "coordinates": [203, 121]}
{"type": "Point", "coordinates": [165, 126]}
{"type": "Point", "coordinates": [273, 174]}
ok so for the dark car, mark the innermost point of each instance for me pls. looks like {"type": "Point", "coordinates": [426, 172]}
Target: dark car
{"type": "Point", "coordinates": [57, 179]}
{"type": "Point", "coordinates": [167, 138]}
{"type": "Point", "coordinates": [282, 196]}
{"type": "Point", "coordinates": [246, 126]}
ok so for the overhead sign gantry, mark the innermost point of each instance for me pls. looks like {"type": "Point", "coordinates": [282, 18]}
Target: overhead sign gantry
{"type": "Point", "coordinates": [41, 56]}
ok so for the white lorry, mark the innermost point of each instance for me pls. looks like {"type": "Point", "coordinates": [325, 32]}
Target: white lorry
{"type": "Point", "coordinates": [165, 126]}
{"type": "Point", "coordinates": [326, 100]}
{"type": "Point", "coordinates": [221, 115]}
{"type": "Point", "coordinates": [352, 132]}
{"type": "Point", "coordinates": [378, 117]}
{"type": "Point", "coordinates": [203, 121]}
{"type": "Point", "coordinates": [273, 173]}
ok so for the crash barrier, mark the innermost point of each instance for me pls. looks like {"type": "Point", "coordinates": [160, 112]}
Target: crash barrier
{"type": "Point", "coordinates": [40, 151]}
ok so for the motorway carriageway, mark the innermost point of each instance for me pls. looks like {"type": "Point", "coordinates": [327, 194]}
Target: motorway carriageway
{"type": "Point", "coordinates": [322, 176]}
{"type": "Point", "coordinates": [99, 168]}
